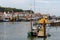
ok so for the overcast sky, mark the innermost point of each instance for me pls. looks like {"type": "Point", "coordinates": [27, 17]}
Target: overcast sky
{"type": "Point", "coordinates": [43, 6]}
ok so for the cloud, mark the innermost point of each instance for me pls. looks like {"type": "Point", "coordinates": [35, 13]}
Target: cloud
{"type": "Point", "coordinates": [20, 1]}
{"type": "Point", "coordinates": [13, 1]}
{"type": "Point", "coordinates": [41, 1]}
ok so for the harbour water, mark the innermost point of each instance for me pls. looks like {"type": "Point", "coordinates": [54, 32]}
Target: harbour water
{"type": "Point", "coordinates": [19, 31]}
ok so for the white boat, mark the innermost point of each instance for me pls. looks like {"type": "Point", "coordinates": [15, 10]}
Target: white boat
{"type": "Point", "coordinates": [57, 21]}
{"type": "Point", "coordinates": [6, 20]}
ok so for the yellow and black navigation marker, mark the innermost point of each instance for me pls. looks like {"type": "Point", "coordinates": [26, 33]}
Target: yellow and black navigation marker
{"type": "Point", "coordinates": [42, 31]}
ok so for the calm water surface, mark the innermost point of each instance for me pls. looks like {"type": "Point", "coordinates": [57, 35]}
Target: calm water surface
{"type": "Point", "coordinates": [19, 30]}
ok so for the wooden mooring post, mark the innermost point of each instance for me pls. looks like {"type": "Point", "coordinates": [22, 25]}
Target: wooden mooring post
{"type": "Point", "coordinates": [44, 27]}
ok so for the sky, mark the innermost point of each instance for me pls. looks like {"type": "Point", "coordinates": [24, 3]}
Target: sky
{"type": "Point", "coordinates": [51, 7]}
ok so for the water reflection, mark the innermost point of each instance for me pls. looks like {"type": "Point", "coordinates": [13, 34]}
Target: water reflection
{"type": "Point", "coordinates": [31, 38]}
{"type": "Point", "coordinates": [44, 38]}
{"type": "Point", "coordinates": [36, 38]}
{"type": "Point", "coordinates": [19, 30]}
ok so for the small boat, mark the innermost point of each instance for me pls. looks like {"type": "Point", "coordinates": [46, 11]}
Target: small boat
{"type": "Point", "coordinates": [39, 29]}
{"type": "Point", "coordinates": [6, 20]}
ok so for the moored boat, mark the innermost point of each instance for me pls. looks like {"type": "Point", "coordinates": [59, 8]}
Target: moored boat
{"type": "Point", "coordinates": [6, 20]}
{"type": "Point", "coordinates": [39, 29]}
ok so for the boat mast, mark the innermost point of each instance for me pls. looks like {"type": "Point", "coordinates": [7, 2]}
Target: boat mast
{"type": "Point", "coordinates": [31, 15]}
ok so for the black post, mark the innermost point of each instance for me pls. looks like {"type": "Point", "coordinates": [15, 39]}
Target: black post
{"type": "Point", "coordinates": [44, 26]}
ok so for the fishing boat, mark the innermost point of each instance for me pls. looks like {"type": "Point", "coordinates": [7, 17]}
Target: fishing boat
{"type": "Point", "coordinates": [39, 29]}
